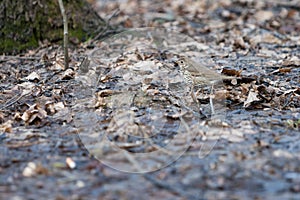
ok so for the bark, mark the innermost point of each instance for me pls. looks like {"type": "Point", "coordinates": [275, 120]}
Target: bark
{"type": "Point", "coordinates": [24, 24]}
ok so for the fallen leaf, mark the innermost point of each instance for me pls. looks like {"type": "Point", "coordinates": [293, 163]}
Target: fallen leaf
{"type": "Point", "coordinates": [6, 127]}
{"type": "Point", "coordinates": [27, 87]}
{"type": "Point", "coordinates": [58, 65]}
{"type": "Point", "coordinates": [263, 15]}
{"type": "Point", "coordinates": [232, 72]}
{"type": "Point", "coordinates": [33, 113]}
{"type": "Point", "coordinates": [33, 77]}
{"type": "Point", "coordinates": [252, 97]}
{"type": "Point", "coordinates": [1, 117]}
{"type": "Point", "coordinates": [33, 169]}
{"type": "Point", "coordinates": [52, 108]}
{"type": "Point", "coordinates": [285, 70]}
{"type": "Point", "coordinates": [68, 74]}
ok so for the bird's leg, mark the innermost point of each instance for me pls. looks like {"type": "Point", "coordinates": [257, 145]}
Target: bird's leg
{"type": "Point", "coordinates": [211, 101]}
{"type": "Point", "coordinates": [193, 95]}
{"type": "Point", "coordinates": [198, 103]}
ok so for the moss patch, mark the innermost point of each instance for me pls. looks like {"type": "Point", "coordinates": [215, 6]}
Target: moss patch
{"type": "Point", "coordinates": [25, 24]}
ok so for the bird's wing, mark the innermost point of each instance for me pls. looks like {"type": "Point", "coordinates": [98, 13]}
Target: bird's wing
{"type": "Point", "coordinates": [198, 68]}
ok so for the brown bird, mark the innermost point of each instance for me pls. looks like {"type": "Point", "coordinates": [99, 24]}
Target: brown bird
{"type": "Point", "coordinates": [197, 74]}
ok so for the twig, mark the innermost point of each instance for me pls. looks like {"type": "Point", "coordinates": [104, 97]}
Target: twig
{"type": "Point", "coordinates": [66, 40]}
{"type": "Point", "coordinates": [7, 58]}
{"type": "Point", "coordinates": [211, 105]}
{"type": "Point", "coordinates": [14, 101]}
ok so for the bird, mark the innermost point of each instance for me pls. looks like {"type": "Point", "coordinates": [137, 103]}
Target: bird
{"type": "Point", "coordinates": [197, 74]}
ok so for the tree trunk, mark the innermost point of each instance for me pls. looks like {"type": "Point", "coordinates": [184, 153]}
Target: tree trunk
{"type": "Point", "coordinates": [24, 24]}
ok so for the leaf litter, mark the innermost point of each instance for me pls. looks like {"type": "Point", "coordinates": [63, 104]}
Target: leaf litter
{"type": "Point", "coordinates": [256, 155]}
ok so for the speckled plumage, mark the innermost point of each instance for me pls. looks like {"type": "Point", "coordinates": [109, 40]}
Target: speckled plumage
{"type": "Point", "coordinates": [197, 74]}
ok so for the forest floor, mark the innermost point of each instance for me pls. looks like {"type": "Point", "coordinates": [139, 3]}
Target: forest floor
{"type": "Point", "coordinates": [120, 123]}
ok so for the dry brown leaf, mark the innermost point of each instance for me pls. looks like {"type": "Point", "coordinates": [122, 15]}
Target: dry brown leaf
{"type": "Point", "coordinates": [40, 169]}
{"type": "Point", "coordinates": [52, 108]}
{"type": "Point", "coordinates": [68, 74]}
{"type": "Point", "coordinates": [17, 116]}
{"type": "Point", "coordinates": [105, 78]}
{"type": "Point", "coordinates": [1, 117]}
{"type": "Point", "coordinates": [285, 70]}
{"type": "Point", "coordinates": [49, 106]}
{"type": "Point", "coordinates": [6, 127]}
{"type": "Point", "coordinates": [245, 88]}
{"type": "Point", "coordinates": [100, 97]}
{"type": "Point", "coordinates": [58, 65]}
{"type": "Point", "coordinates": [34, 113]}
{"type": "Point", "coordinates": [232, 72]}
{"type": "Point", "coordinates": [128, 23]}
{"type": "Point", "coordinates": [100, 102]}
{"type": "Point", "coordinates": [104, 93]}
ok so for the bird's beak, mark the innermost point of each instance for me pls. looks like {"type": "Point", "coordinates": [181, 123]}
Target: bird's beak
{"type": "Point", "coordinates": [176, 63]}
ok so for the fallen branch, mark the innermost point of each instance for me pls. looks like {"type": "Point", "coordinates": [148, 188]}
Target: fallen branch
{"type": "Point", "coordinates": [14, 100]}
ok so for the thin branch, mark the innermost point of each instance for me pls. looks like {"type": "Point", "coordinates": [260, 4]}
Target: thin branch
{"type": "Point", "coordinates": [14, 100]}
{"type": "Point", "coordinates": [66, 40]}
{"type": "Point", "coordinates": [8, 58]}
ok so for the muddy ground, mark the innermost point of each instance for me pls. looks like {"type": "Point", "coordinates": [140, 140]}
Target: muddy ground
{"type": "Point", "coordinates": [50, 116]}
